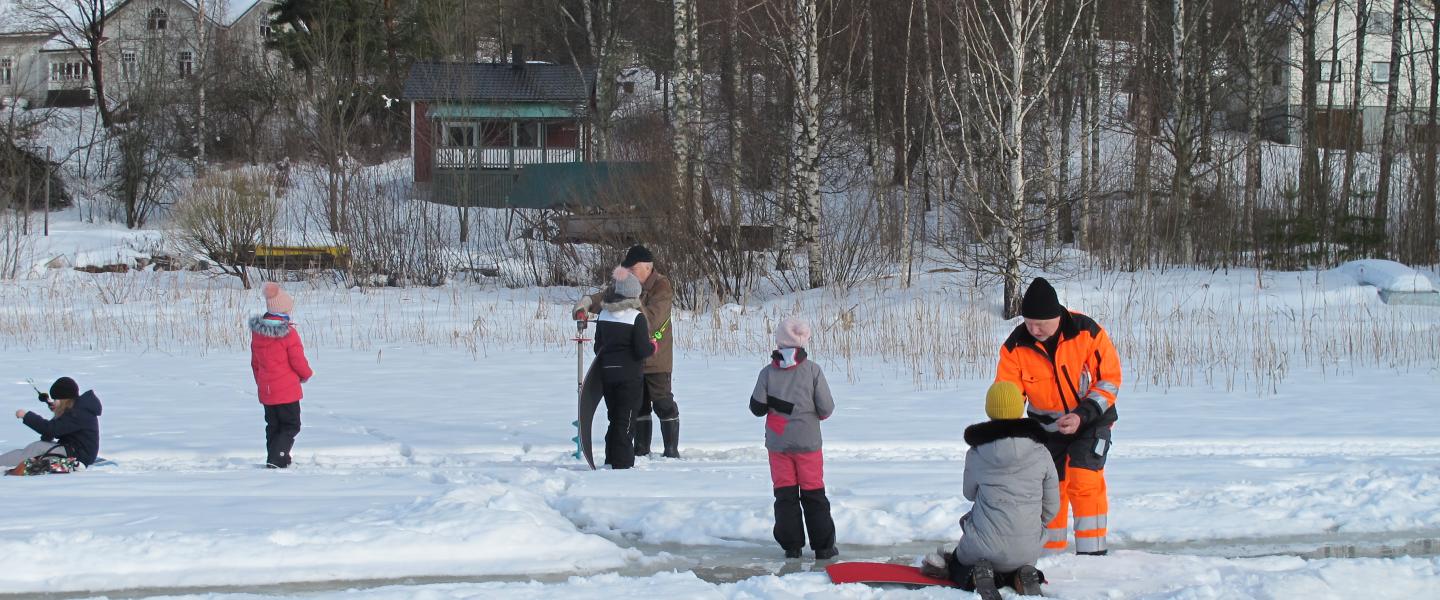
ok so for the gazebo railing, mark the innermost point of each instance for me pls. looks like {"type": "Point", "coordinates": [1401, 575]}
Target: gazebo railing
{"type": "Point", "coordinates": [502, 158]}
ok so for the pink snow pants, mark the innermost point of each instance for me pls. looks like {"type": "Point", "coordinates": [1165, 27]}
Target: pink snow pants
{"type": "Point", "coordinates": [805, 469]}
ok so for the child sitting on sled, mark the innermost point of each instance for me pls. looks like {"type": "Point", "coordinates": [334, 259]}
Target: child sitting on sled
{"type": "Point", "coordinates": [70, 438]}
{"type": "Point", "coordinates": [1011, 478]}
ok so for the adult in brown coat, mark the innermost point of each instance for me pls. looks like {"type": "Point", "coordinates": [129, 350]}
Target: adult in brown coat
{"type": "Point", "coordinates": [656, 295]}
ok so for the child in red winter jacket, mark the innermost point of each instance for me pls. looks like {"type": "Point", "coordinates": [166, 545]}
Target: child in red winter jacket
{"type": "Point", "coordinates": [278, 359]}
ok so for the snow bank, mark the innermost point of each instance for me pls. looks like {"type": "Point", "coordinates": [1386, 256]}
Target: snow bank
{"type": "Point", "coordinates": [256, 527]}
{"type": "Point", "coordinates": [1387, 275]}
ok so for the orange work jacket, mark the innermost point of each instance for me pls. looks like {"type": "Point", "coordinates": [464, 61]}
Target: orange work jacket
{"type": "Point", "coordinates": [1082, 376]}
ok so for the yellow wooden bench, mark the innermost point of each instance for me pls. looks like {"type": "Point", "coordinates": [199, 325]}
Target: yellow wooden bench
{"type": "Point", "coordinates": [292, 258]}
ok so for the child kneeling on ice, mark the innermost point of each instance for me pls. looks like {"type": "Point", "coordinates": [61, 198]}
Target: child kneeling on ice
{"type": "Point", "coordinates": [277, 358]}
{"type": "Point", "coordinates": [622, 343]}
{"type": "Point", "coordinates": [1011, 478]}
{"type": "Point", "coordinates": [792, 395]}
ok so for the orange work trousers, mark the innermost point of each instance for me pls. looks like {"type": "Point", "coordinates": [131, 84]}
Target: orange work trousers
{"type": "Point", "coordinates": [1084, 491]}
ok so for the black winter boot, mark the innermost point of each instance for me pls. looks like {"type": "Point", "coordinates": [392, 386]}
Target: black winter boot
{"type": "Point", "coordinates": [789, 522]}
{"type": "Point", "coordinates": [982, 575]}
{"type": "Point", "coordinates": [1027, 581]}
{"type": "Point", "coordinates": [642, 435]}
{"type": "Point", "coordinates": [818, 523]}
{"type": "Point", "coordinates": [670, 433]}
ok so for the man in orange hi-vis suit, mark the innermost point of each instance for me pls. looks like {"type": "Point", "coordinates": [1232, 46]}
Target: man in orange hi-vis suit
{"type": "Point", "coordinates": [1070, 373]}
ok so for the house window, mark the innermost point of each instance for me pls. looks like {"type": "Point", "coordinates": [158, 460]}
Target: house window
{"type": "Point", "coordinates": [187, 63]}
{"type": "Point", "coordinates": [1276, 76]}
{"type": "Point", "coordinates": [459, 135]}
{"type": "Point", "coordinates": [159, 20]}
{"type": "Point", "coordinates": [1380, 72]}
{"type": "Point", "coordinates": [265, 27]}
{"type": "Point", "coordinates": [628, 86]}
{"type": "Point", "coordinates": [67, 71]}
{"type": "Point", "coordinates": [495, 134]}
{"type": "Point", "coordinates": [7, 70]}
{"type": "Point", "coordinates": [1379, 22]}
{"type": "Point", "coordinates": [128, 69]}
{"type": "Point", "coordinates": [562, 134]}
{"type": "Point", "coordinates": [1329, 71]}
{"type": "Point", "coordinates": [527, 135]}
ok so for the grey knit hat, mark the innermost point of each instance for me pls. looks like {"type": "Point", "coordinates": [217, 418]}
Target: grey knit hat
{"type": "Point", "coordinates": [626, 284]}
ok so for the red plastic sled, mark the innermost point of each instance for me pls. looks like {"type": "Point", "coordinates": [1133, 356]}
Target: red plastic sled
{"type": "Point", "coordinates": [874, 572]}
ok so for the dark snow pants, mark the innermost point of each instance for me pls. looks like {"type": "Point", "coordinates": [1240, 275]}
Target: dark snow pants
{"type": "Point", "coordinates": [797, 511]}
{"type": "Point", "coordinates": [622, 398]}
{"type": "Point", "coordinates": [657, 398]}
{"type": "Point", "coordinates": [282, 424]}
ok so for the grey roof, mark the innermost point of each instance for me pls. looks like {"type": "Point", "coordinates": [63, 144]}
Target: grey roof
{"type": "Point", "coordinates": [498, 82]}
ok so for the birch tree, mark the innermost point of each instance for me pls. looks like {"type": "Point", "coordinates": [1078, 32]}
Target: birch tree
{"type": "Point", "coordinates": [997, 87]}
{"type": "Point", "coordinates": [601, 20]}
{"type": "Point", "coordinates": [1189, 64]}
{"type": "Point", "coordinates": [1253, 40]}
{"type": "Point", "coordinates": [685, 139]}
{"type": "Point", "coordinates": [1429, 253]}
{"type": "Point", "coordinates": [1347, 185]}
{"type": "Point", "coordinates": [1146, 122]}
{"type": "Point", "coordinates": [806, 134]}
{"type": "Point", "coordinates": [1307, 21]}
{"type": "Point", "coordinates": [1387, 133]}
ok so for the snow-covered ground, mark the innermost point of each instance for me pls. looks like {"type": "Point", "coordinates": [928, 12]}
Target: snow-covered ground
{"type": "Point", "coordinates": [435, 456]}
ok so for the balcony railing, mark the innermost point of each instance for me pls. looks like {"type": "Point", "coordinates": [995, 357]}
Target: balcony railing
{"type": "Point", "coordinates": [502, 158]}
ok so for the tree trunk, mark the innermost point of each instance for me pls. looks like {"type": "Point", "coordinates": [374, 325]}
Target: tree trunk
{"type": "Point", "coordinates": [1141, 231]}
{"type": "Point", "coordinates": [686, 80]}
{"type": "Point", "coordinates": [1354, 141]}
{"type": "Point", "coordinates": [1092, 100]}
{"type": "Point", "coordinates": [202, 57]}
{"type": "Point", "coordinates": [1428, 252]}
{"type": "Point", "coordinates": [807, 135]}
{"type": "Point", "coordinates": [1253, 30]}
{"type": "Point", "coordinates": [735, 125]}
{"type": "Point", "coordinates": [1387, 133]}
{"type": "Point", "coordinates": [878, 182]}
{"type": "Point", "coordinates": [1014, 229]}
{"type": "Point", "coordinates": [1182, 65]}
{"type": "Point", "coordinates": [1309, 96]}
{"type": "Point", "coordinates": [1323, 218]}
{"type": "Point", "coordinates": [907, 200]}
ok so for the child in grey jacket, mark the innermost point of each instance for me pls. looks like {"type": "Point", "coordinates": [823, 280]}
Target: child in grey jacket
{"type": "Point", "coordinates": [1011, 478]}
{"type": "Point", "coordinates": [792, 395]}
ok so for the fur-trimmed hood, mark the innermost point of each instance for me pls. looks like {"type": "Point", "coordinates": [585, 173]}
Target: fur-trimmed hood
{"type": "Point", "coordinates": [980, 434]}
{"type": "Point", "coordinates": [269, 327]}
{"type": "Point", "coordinates": [1011, 477]}
{"type": "Point", "coordinates": [620, 304]}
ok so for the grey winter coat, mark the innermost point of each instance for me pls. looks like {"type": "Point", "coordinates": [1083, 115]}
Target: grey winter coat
{"type": "Point", "coordinates": [792, 395]}
{"type": "Point", "coordinates": [1011, 478]}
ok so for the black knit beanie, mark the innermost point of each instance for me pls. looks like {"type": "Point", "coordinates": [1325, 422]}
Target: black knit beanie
{"type": "Point", "coordinates": [1040, 301]}
{"type": "Point", "coordinates": [65, 388]}
{"type": "Point", "coordinates": [637, 254]}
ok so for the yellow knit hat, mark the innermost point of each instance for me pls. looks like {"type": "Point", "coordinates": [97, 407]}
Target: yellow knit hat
{"type": "Point", "coordinates": [1004, 401]}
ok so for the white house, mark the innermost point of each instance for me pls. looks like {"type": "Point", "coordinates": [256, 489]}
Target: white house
{"type": "Point", "coordinates": [145, 41]}
{"type": "Point", "coordinates": [22, 67]}
{"type": "Point", "coordinates": [1335, 64]}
